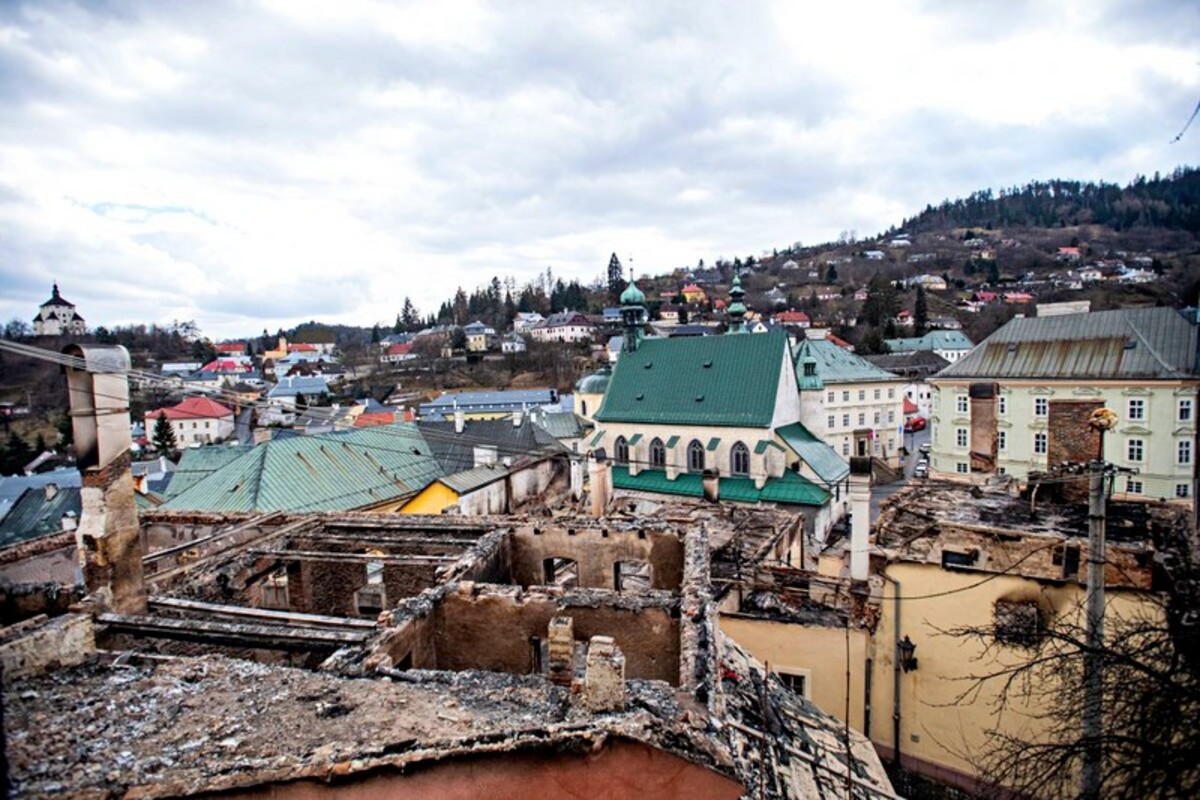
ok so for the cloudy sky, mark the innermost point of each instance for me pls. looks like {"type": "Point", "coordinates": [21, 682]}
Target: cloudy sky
{"type": "Point", "coordinates": [255, 164]}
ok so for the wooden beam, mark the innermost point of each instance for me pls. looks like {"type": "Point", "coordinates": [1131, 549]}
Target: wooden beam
{"type": "Point", "coordinates": [362, 558]}
{"type": "Point", "coordinates": [269, 615]}
{"type": "Point", "coordinates": [230, 634]}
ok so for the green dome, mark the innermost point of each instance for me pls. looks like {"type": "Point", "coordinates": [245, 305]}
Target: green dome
{"type": "Point", "coordinates": [632, 296]}
{"type": "Point", "coordinates": [596, 383]}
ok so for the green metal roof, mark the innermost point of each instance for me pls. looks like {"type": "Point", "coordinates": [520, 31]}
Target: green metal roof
{"type": "Point", "coordinates": [820, 457]}
{"type": "Point", "coordinates": [469, 480]}
{"type": "Point", "coordinates": [674, 440]}
{"type": "Point", "coordinates": [1127, 344]}
{"type": "Point", "coordinates": [562, 425]}
{"type": "Point", "coordinates": [198, 463]}
{"type": "Point", "coordinates": [836, 364]}
{"type": "Point", "coordinates": [33, 515]}
{"type": "Point", "coordinates": [934, 340]}
{"type": "Point", "coordinates": [597, 439]}
{"type": "Point", "coordinates": [791, 489]}
{"type": "Point", "coordinates": [713, 443]}
{"type": "Point", "coordinates": [637, 437]}
{"type": "Point", "coordinates": [761, 446]}
{"type": "Point", "coordinates": [703, 380]}
{"type": "Point", "coordinates": [330, 472]}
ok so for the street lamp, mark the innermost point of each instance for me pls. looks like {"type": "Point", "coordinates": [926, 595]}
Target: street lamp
{"type": "Point", "coordinates": [908, 661]}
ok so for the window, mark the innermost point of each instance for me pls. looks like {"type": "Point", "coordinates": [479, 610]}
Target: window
{"type": "Point", "coordinates": [562, 572]}
{"type": "Point", "coordinates": [632, 576]}
{"type": "Point", "coordinates": [862, 394]}
{"type": "Point", "coordinates": [845, 420]}
{"type": "Point", "coordinates": [1132, 486]}
{"type": "Point", "coordinates": [739, 459]}
{"type": "Point", "coordinates": [1002, 405]}
{"type": "Point", "coordinates": [695, 456]}
{"type": "Point", "coordinates": [1137, 409]}
{"type": "Point", "coordinates": [845, 397]}
{"type": "Point", "coordinates": [583, 408]}
{"type": "Point", "coordinates": [831, 422]}
{"type": "Point", "coordinates": [961, 404]}
{"type": "Point", "coordinates": [891, 417]}
{"type": "Point", "coordinates": [658, 453]}
{"type": "Point", "coordinates": [829, 397]}
{"type": "Point", "coordinates": [1002, 440]}
{"type": "Point", "coordinates": [1039, 443]}
{"type": "Point", "coordinates": [877, 418]}
{"type": "Point", "coordinates": [877, 394]}
{"type": "Point", "coordinates": [1184, 411]}
{"type": "Point", "coordinates": [1135, 450]}
{"type": "Point", "coordinates": [960, 437]}
{"type": "Point", "coordinates": [621, 450]}
{"type": "Point", "coordinates": [845, 448]}
{"type": "Point", "coordinates": [961, 467]}
{"type": "Point", "coordinates": [1183, 490]}
{"type": "Point", "coordinates": [891, 394]}
{"type": "Point", "coordinates": [1041, 406]}
{"type": "Point", "coordinates": [374, 572]}
{"type": "Point", "coordinates": [1183, 452]}
{"type": "Point", "coordinates": [1017, 623]}
{"type": "Point", "coordinates": [796, 681]}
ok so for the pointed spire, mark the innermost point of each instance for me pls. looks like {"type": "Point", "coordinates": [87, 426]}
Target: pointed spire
{"type": "Point", "coordinates": [55, 293]}
{"type": "Point", "coordinates": [737, 309]}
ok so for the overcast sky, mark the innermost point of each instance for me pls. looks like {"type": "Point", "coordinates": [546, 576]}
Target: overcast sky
{"type": "Point", "coordinates": [256, 164]}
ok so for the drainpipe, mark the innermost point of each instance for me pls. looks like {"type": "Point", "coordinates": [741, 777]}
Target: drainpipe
{"type": "Point", "coordinates": [895, 668]}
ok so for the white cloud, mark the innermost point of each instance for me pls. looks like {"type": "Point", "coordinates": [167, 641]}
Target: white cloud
{"type": "Point", "coordinates": [254, 166]}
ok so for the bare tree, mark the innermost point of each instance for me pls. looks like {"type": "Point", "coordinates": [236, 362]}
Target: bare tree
{"type": "Point", "coordinates": [1150, 739]}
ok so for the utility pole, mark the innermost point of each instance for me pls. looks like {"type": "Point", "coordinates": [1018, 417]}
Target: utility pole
{"type": "Point", "coordinates": [1093, 660]}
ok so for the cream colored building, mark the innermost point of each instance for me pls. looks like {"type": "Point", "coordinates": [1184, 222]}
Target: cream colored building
{"type": "Point", "coordinates": [852, 405]}
{"type": "Point", "coordinates": [1019, 402]}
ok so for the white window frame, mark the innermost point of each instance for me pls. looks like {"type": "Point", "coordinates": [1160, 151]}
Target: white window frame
{"type": "Point", "coordinates": [1041, 443]}
{"type": "Point", "coordinates": [1136, 409]}
{"type": "Point", "coordinates": [1183, 491]}
{"type": "Point", "coordinates": [1138, 445]}
{"type": "Point", "coordinates": [1041, 406]}
{"type": "Point", "coordinates": [1002, 405]}
{"type": "Point", "coordinates": [962, 404]}
{"type": "Point", "coordinates": [1183, 452]}
{"type": "Point", "coordinates": [962, 437]}
{"type": "Point", "coordinates": [1185, 410]}
{"type": "Point", "coordinates": [1133, 486]}
{"type": "Point", "coordinates": [804, 675]}
{"type": "Point", "coordinates": [831, 421]}
{"type": "Point", "coordinates": [962, 468]}
{"type": "Point", "coordinates": [1002, 441]}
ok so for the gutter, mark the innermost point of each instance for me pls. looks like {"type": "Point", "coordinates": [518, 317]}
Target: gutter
{"type": "Point", "coordinates": [895, 669]}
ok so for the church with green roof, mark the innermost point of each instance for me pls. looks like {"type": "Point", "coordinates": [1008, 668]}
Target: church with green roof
{"type": "Point", "coordinates": [678, 413]}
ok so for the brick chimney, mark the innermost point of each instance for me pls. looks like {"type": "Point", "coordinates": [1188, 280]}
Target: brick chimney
{"type": "Point", "coordinates": [604, 680]}
{"type": "Point", "coordinates": [561, 646]}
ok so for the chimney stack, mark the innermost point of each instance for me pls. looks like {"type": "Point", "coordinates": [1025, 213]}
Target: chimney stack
{"type": "Point", "coordinates": [561, 646]}
{"type": "Point", "coordinates": [604, 679]}
{"type": "Point", "coordinates": [599, 477]}
{"type": "Point", "coordinates": [860, 517]}
{"type": "Point", "coordinates": [460, 420]}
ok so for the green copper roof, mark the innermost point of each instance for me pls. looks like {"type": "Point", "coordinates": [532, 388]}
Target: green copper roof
{"type": "Point", "coordinates": [820, 457]}
{"type": "Point", "coordinates": [632, 296]}
{"type": "Point", "coordinates": [330, 472]}
{"type": "Point", "coordinates": [703, 380]}
{"type": "Point", "coordinates": [836, 364]}
{"type": "Point", "coordinates": [198, 463]}
{"type": "Point", "coordinates": [791, 489]}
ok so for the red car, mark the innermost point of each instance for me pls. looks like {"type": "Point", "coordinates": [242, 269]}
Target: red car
{"type": "Point", "coordinates": [914, 424]}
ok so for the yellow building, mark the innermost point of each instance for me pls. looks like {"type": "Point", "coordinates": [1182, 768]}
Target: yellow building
{"type": "Point", "coordinates": [954, 567]}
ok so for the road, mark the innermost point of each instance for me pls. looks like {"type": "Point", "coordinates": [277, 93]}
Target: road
{"type": "Point", "coordinates": [881, 493]}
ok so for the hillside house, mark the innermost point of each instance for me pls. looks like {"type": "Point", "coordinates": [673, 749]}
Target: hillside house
{"type": "Point", "coordinates": [195, 421]}
{"type": "Point", "coordinates": [565, 326]}
{"type": "Point", "coordinates": [58, 317]}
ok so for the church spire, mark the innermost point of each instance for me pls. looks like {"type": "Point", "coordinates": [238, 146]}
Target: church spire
{"type": "Point", "coordinates": [633, 314]}
{"type": "Point", "coordinates": [737, 310]}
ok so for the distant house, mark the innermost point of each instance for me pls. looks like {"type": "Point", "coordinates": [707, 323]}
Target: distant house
{"type": "Point", "coordinates": [487, 405]}
{"type": "Point", "coordinates": [513, 343]}
{"type": "Point", "coordinates": [873, 255]}
{"type": "Point", "coordinates": [480, 337]}
{"type": "Point", "coordinates": [861, 295]}
{"type": "Point", "coordinates": [669, 313]}
{"type": "Point", "coordinates": [905, 318]}
{"type": "Point", "coordinates": [231, 349]}
{"type": "Point", "coordinates": [1090, 274]}
{"type": "Point", "coordinates": [984, 297]}
{"type": "Point", "coordinates": [526, 320]}
{"type": "Point", "coordinates": [949, 344]}
{"type": "Point", "coordinates": [1018, 298]}
{"type": "Point", "coordinates": [57, 316]}
{"type": "Point", "coordinates": [1068, 254]}
{"type": "Point", "coordinates": [284, 393]}
{"type": "Point", "coordinates": [195, 421]}
{"type": "Point", "coordinates": [790, 264]}
{"type": "Point", "coordinates": [945, 323]}
{"type": "Point", "coordinates": [693, 294]}
{"type": "Point", "coordinates": [611, 314]}
{"type": "Point", "coordinates": [395, 353]}
{"type": "Point", "coordinates": [900, 241]}
{"type": "Point", "coordinates": [794, 319]}
{"type": "Point", "coordinates": [776, 296]}
{"type": "Point", "coordinates": [565, 326]}
{"type": "Point", "coordinates": [932, 283]}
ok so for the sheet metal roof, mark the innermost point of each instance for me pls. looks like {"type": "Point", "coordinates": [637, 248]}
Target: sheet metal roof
{"type": "Point", "coordinates": [511, 400]}
{"type": "Point", "coordinates": [1126, 344]}
{"type": "Point", "coordinates": [198, 463]}
{"type": "Point", "coordinates": [836, 364]}
{"type": "Point", "coordinates": [455, 452]}
{"type": "Point", "coordinates": [705, 380]}
{"type": "Point", "coordinates": [820, 457]}
{"type": "Point", "coordinates": [934, 340]}
{"type": "Point", "coordinates": [33, 515]}
{"type": "Point", "coordinates": [791, 489]}
{"type": "Point", "coordinates": [469, 480]}
{"type": "Point", "coordinates": [333, 472]}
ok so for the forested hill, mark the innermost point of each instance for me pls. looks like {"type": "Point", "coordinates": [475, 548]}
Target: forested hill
{"type": "Point", "coordinates": [1171, 202]}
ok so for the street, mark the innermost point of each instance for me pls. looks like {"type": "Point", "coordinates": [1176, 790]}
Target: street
{"type": "Point", "coordinates": [912, 441]}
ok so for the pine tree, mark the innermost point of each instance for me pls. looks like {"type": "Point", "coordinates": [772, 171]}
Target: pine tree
{"type": "Point", "coordinates": [15, 455]}
{"type": "Point", "coordinates": [409, 317]}
{"type": "Point", "coordinates": [66, 431]}
{"type": "Point", "coordinates": [164, 435]}
{"type": "Point", "coordinates": [831, 274]}
{"type": "Point", "coordinates": [375, 335]}
{"type": "Point", "coordinates": [921, 313]}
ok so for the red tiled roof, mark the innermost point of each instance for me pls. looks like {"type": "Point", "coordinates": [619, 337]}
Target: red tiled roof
{"type": "Point", "coordinates": [791, 316]}
{"type": "Point", "coordinates": [839, 341]}
{"type": "Point", "coordinates": [302, 348]}
{"type": "Point", "coordinates": [372, 419]}
{"type": "Point", "coordinates": [193, 408]}
{"type": "Point", "coordinates": [225, 365]}
{"type": "Point", "coordinates": [231, 347]}
{"type": "Point", "coordinates": [399, 349]}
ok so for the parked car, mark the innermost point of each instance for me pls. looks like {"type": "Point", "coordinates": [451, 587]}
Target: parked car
{"type": "Point", "coordinates": [915, 424]}
{"type": "Point", "coordinates": [924, 449]}
{"type": "Point", "coordinates": [922, 470]}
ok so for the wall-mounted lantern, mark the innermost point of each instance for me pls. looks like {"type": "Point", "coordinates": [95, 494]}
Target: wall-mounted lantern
{"type": "Point", "coordinates": [908, 661]}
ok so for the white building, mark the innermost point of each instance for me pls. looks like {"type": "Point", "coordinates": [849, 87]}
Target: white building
{"type": "Point", "coordinates": [57, 317]}
{"type": "Point", "coordinates": [196, 421]}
